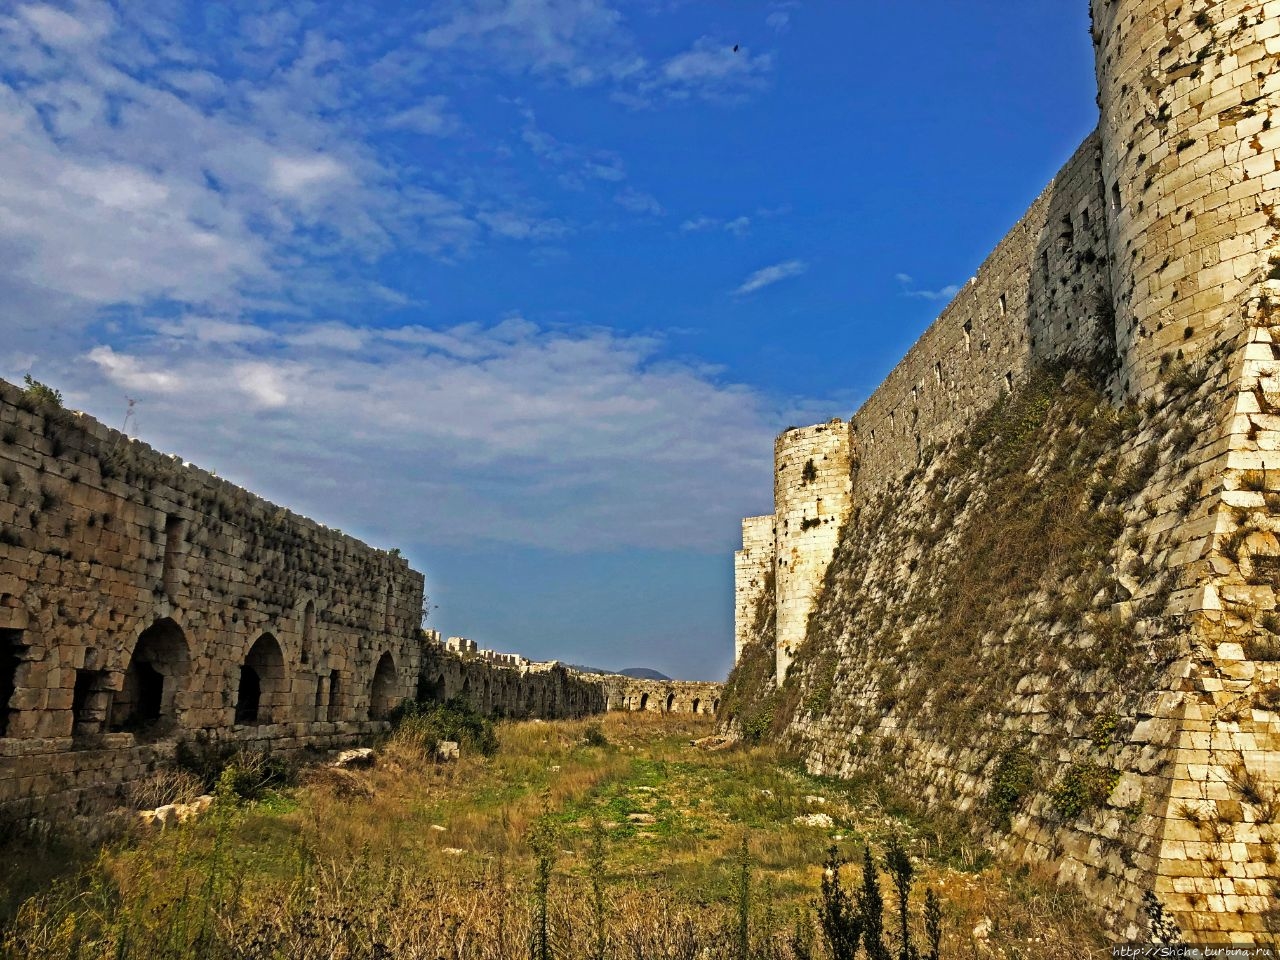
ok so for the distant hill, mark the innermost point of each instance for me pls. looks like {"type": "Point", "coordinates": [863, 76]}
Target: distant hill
{"type": "Point", "coordinates": [643, 673]}
{"type": "Point", "coordinates": [638, 673]}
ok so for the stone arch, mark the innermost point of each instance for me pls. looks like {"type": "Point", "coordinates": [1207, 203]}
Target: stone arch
{"type": "Point", "coordinates": [263, 692]}
{"type": "Point", "coordinates": [153, 679]}
{"type": "Point", "coordinates": [696, 704]}
{"type": "Point", "coordinates": [671, 702]}
{"type": "Point", "coordinates": [385, 689]}
{"type": "Point", "coordinates": [644, 701]}
{"type": "Point", "coordinates": [433, 691]}
{"type": "Point", "coordinates": [715, 705]}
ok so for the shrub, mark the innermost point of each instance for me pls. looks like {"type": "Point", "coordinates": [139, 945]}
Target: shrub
{"type": "Point", "coordinates": [425, 725]}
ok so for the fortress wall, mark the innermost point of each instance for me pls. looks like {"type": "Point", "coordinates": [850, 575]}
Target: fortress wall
{"type": "Point", "coordinates": [545, 690]}
{"type": "Point", "coordinates": [661, 696]}
{"type": "Point", "coordinates": [1043, 294]}
{"type": "Point", "coordinates": [751, 566]}
{"type": "Point", "coordinates": [145, 601]}
{"type": "Point", "coordinates": [811, 499]}
{"type": "Point", "coordinates": [1191, 160]}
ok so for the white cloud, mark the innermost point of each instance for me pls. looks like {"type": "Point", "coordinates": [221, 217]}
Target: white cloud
{"type": "Point", "coordinates": [429, 117]}
{"type": "Point", "coordinates": [578, 40]}
{"type": "Point", "coordinates": [942, 295]}
{"type": "Point", "coordinates": [571, 439]}
{"type": "Point", "coordinates": [767, 276]}
{"type": "Point", "coordinates": [514, 226]}
{"type": "Point", "coordinates": [639, 202]}
{"type": "Point", "coordinates": [300, 176]}
{"type": "Point", "coordinates": [738, 226]}
{"type": "Point", "coordinates": [698, 224]}
{"type": "Point", "coordinates": [709, 70]}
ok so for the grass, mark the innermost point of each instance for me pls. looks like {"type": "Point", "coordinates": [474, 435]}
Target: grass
{"type": "Point", "coordinates": [644, 843]}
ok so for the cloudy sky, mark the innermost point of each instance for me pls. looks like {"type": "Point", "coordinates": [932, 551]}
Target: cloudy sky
{"type": "Point", "coordinates": [523, 287]}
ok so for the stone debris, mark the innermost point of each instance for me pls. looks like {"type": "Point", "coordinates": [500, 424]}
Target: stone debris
{"type": "Point", "coordinates": [171, 813]}
{"type": "Point", "coordinates": [815, 801]}
{"type": "Point", "coordinates": [814, 820]}
{"type": "Point", "coordinates": [982, 931]}
{"type": "Point", "coordinates": [713, 742]}
{"type": "Point", "coordinates": [453, 851]}
{"type": "Point", "coordinates": [447, 750]}
{"type": "Point", "coordinates": [437, 828]}
{"type": "Point", "coordinates": [359, 757]}
{"type": "Point", "coordinates": [642, 818]}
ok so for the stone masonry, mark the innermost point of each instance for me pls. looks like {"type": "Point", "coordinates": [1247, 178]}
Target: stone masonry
{"type": "Point", "coordinates": [1153, 256]}
{"type": "Point", "coordinates": [811, 498]}
{"type": "Point", "coordinates": [751, 568]}
{"type": "Point", "coordinates": [145, 602]}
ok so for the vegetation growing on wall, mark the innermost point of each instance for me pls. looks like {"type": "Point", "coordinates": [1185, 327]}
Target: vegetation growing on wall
{"type": "Point", "coordinates": [749, 698]}
{"type": "Point", "coordinates": [1010, 563]}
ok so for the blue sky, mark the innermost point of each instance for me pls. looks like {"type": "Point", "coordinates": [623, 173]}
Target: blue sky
{"type": "Point", "coordinates": [523, 287]}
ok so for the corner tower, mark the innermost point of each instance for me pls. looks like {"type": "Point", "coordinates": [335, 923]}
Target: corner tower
{"type": "Point", "coordinates": [812, 488]}
{"type": "Point", "coordinates": [1187, 93]}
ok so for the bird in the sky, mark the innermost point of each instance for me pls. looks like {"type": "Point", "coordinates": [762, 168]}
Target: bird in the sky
{"type": "Point", "coordinates": [735, 48]}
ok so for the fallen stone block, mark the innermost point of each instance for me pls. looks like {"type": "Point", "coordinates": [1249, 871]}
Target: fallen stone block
{"type": "Point", "coordinates": [359, 757]}
{"type": "Point", "coordinates": [447, 750]}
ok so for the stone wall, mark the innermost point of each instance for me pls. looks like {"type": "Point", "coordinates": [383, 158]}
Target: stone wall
{"type": "Point", "coordinates": [661, 696]}
{"type": "Point", "coordinates": [544, 690]}
{"type": "Point", "coordinates": [145, 601]}
{"type": "Point", "coordinates": [751, 567]}
{"type": "Point", "coordinates": [1134, 746]}
{"type": "Point", "coordinates": [1044, 294]}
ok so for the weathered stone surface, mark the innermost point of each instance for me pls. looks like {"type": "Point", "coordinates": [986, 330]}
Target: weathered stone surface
{"type": "Point", "coordinates": [144, 601]}
{"type": "Point", "coordinates": [1158, 247]}
{"type": "Point", "coordinates": [358, 757]}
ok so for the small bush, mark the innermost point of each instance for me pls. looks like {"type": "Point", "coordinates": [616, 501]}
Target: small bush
{"type": "Point", "coordinates": [594, 736]}
{"type": "Point", "coordinates": [1082, 787]}
{"type": "Point", "coordinates": [425, 725]}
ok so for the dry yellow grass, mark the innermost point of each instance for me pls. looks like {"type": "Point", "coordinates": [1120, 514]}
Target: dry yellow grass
{"type": "Point", "coordinates": [416, 859]}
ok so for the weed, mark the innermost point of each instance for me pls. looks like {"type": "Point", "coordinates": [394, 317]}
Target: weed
{"type": "Point", "coordinates": [1082, 787]}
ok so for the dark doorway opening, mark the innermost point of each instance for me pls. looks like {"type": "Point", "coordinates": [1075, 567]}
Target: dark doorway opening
{"type": "Point", "coordinates": [382, 696]}
{"type": "Point", "coordinates": [249, 696]}
{"type": "Point", "coordinates": [644, 701]}
{"type": "Point", "coordinates": [10, 650]}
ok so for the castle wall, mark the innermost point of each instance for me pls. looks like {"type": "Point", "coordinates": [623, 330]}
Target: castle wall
{"type": "Point", "coordinates": [661, 696]}
{"type": "Point", "coordinates": [811, 499]}
{"type": "Point", "coordinates": [1154, 254]}
{"type": "Point", "coordinates": [1043, 294]}
{"type": "Point", "coordinates": [545, 690]}
{"type": "Point", "coordinates": [144, 601]}
{"type": "Point", "coordinates": [1191, 160]}
{"type": "Point", "coordinates": [751, 567]}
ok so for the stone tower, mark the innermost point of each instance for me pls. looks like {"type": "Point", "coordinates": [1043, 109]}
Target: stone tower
{"type": "Point", "coordinates": [812, 488]}
{"type": "Point", "coordinates": [751, 566]}
{"type": "Point", "coordinates": [1190, 168]}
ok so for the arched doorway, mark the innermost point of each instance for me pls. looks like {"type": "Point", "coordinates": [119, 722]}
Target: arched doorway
{"type": "Point", "coordinates": [644, 701]}
{"type": "Point", "coordinates": [696, 703]}
{"type": "Point", "coordinates": [263, 689]}
{"type": "Point", "coordinates": [671, 701]}
{"type": "Point", "coordinates": [384, 693]}
{"type": "Point", "coordinates": [153, 678]}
